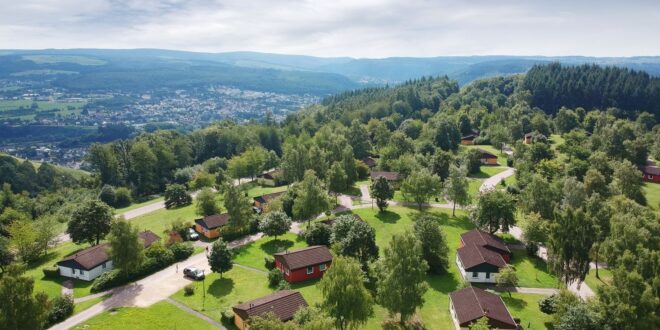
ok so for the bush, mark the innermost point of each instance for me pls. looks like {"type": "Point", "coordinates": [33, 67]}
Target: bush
{"type": "Point", "coordinates": [269, 262]}
{"type": "Point", "coordinates": [414, 323]}
{"type": "Point", "coordinates": [160, 253]}
{"type": "Point", "coordinates": [362, 170]}
{"type": "Point", "coordinates": [318, 234]}
{"type": "Point", "coordinates": [275, 277]}
{"type": "Point", "coordinates": [532, 249]}
{"type": "Point", "coordinates": [509, 162]}
{"type": "Point", "coordinates": [123, 197]}
{"type": "Point", "coordinates": [189, 289]}
{"type": "Point", "coordinates": [254, 224]}
{"type": "Point", "coordinates": [227, 316]}
{"type": "Point", "coordinates": [108, 280]}
{"type": "Point", "coordinates": [229, 233]}
{"type": "Point", "coordinates": [514, 190]}
{"type": "Point", "coordinates": [181, 251]}
{"type": "Point", "coordinates": [61, 309]}
{"type": "Point", "coordinates": [283, 285]}
{"type": "Point", "coordinates": [548, 305]}
{"type": "Point", "coordinates": [51, 271]}
{"type": "Point", "coordinates": [108, 195]}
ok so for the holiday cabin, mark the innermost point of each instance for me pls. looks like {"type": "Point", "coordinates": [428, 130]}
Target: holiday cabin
{"type": "Point", "coordinates": [210, 225]}
{"type": "Point", "coordinates": [468, 305]}
{"type": "Point", "coordinates": [487, 158]}
{"type": "Point", "coordinates": [651, 172]}
{"type": "Point", "coordinates": [304, 264]}
{"type": "Point", "coordinates": [283, 304]}
{"type": "Point", "coordinates": [480, 256]}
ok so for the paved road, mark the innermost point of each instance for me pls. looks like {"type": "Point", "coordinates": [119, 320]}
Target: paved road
{"type": "Point", "coordinates": [494, 180]}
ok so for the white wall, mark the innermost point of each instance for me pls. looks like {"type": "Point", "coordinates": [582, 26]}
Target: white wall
{"type": "Point", "coordinates": [84, 274]}
{"type": "Point", "coordinates": [480, 278]}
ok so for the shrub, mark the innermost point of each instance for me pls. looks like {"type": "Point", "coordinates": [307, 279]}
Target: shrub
{"type": "Point", "coordinates": [181, 251]}
{"type": "Point", "coordinates": [61, 309]}
{"type": "Point", "coordinates": [275, 277]}
{"type": "Point", "coordinates": [362, 170]}
{"type": "Point", "coordinates": [227, 316]}
{"type": "Point", "coordinates": [283, 285]}
{"type": "Point", "coordinates": [108, 195]}
{"type": "Point", "coordinates": [230, 233]}
{"type": "Point", "coordinates": [123, 197]}
{"type": "Point", "coordinates": [108, 280]}
{"type": "Point", "coordinates": [160, 253]}
{"type": "Point", "coordinates": [51, 271]}
{"type": "Point", "coordinates": [189, 289]}
{"type": "Point", "coordinates": [254, 224]}
{"type": "Point", "coordinates": [532, 249]}
{"type": "Point", "coordinates": [318, 234]}
{"type": "Point", "coordinates": [548, 305]}
{"type": "Point", "coordinates": [269, 262]}
{"type": "Point", "coordinates": [514, 190]}
{"type": "Point", "coordinates": [414, 323]}
{"type": "Point", "coordinates": [509, 162]}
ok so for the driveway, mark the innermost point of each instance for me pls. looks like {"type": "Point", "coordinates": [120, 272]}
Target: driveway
{"type": "Point", "coordinates": [494, 180]}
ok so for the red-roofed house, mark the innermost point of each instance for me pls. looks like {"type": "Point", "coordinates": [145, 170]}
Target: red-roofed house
{"type": "Point", "coordinates": [470, 304]}
{"type": "Point", "coordinates": [210, 225]}
{"type": "Point", "coordinates": [304, 264]}
{"type": "Point", "coordinates": [480, 256]}
{"type": "Point", "coordinates": [651, 172]}
{"type": "Point", "coordinates": [283, 304]}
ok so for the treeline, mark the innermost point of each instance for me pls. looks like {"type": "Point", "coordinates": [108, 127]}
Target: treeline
{"type": "Point", "coordinates": [590, 86]}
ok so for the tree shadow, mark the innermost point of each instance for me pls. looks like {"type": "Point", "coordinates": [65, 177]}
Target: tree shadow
{"type": "Point", "coordinates": [444, 283]}
{"type": "Point", "coordinates": [276, 245]}
{"type": "Point", "coordinates": [300, 285]}
{"type": "Point", "coordinates": [514, 303]}
{"type": "Point", "coordinates": [388, 216]}
{"type": "Point", "coordinates": [221, 287]}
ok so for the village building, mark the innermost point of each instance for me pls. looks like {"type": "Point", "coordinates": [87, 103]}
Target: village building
{"type": "Point", "coordinates": [468, 139]}
{"type": "Point", "coordinates": [527, 138]}
{"type": "Point", "coordinates": [304, 264]}
{"type": "Point", "coordinates": [470, 304]}
{"type": "Point", "coordinates": [651, 172]}
{"type": "Point", "coordinates": [210, 225]}
{"type": "Point", "coordinates": [370, 162]}
{"type": "Point", "coordinates": [91, 262]}
{"type": "Point", "coordinates": [487, 158]}
{"type": "Point", "coordinates": [283, 304]}
{"type": "Point", "coordinates": [480, 256]}
{"type": "Point", "coordinates": [270, 178]}
{"type": "Point", "coordinates": [392, 177]}
{"type": "Point", "coordinates": [261, 201]}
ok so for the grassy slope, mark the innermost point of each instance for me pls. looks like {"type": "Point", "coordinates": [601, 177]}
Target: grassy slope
{"type": "Point", "coordinates": [162, 315]}
{"type": "Point", "coordinates": [254, 253]}
{"type": "Point", "coordinates": [137, 205]}
{"type": "Point", "coordinates": [53, 286]}
{"type": "Point", "coordinates": [652, 193]}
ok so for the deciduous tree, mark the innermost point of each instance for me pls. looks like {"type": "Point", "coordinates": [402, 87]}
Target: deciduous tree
{"type": "Point", "coordinates": [275, 224]}
{"type": "Point", "coordinates": [311, 198]}
{"type": "Point", "coordinates": [571, 238]}
{"type": "Point", "coordinates": [495, 210]}
{"type": "Point", "coordinates": [220, 258]}
{"type": "Point", "coordinates": [382, 191]}
{"type": "Point", "coordinates": [238, 206]}
{"type": "Point", "coordinates": [176, 196]}
{"type": "Point", "coordinates": [21, 308]}
{"type": "Point", "coordinates": [126, 249]}
{"type": "Point", "coordinates": [205, 203]}
{"type": "Point", "coordinates": [421, 186]}
{"type": "Point", "coordinates": [90, 222]}
{"type": "Point", "coordinates": [434, 243]}
{"type": "Point", "coordinates": [457, 187]}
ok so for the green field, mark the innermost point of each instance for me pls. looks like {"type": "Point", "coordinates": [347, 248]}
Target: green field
{"type": "Point", "coordinates": [159, 316]}
{"type": "Point", "coordinates": [652, 193]}
{"type": "Point", "coordinates": [22, 109]}
{"type": "Point", "coordinates": [253, 254]}
{"type": "Point", "coordinates": [532, 272]}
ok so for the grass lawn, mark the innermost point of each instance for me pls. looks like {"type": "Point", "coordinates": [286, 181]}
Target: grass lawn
{"type": "Point", "coordinates": [137, 205]}
{"type": "Point", "coordinates": [501, 157]}
{"type": "Point", "coordinates": [555, 141]}
{"type": "Point", "coordinates": [398, 196]}
{"type": "Point", "coordinates": [473, 188]}
{"type": "Point", "coordinates": [254, 253]}
{"type": "Point", "coordinates": [53, 286]}
{"type": "Point", "coordinates": [255, 190]}
{"type": "Point", "coordinates": [236, 286]}
{"type": "Point", "coordinates": [488, 171]}
{"type": "Point", "coordinates": [160, 220]}
{"type": "Point", "coordinates": [159, 316]}
{"type": "Point", "coordinates": [79, 307]}
{"type": "Point", "coordinates": [594, 283]}
{"type": "Point", "coordinates": [532, 272]}
{"type": "Point", "coordinates": [526, 308]}
{"type": "Point", "coordinates": [652, 193]}
{"type": "Point", "coordinates": [511, 180]}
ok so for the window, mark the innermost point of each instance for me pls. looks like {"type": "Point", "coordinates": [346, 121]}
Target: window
{"type": "Point", "coordinates": [310, 270]}
{"type": "Point", "coordinates": [322, 267]}
{"type": "Point", "coordinates": [475, 274]}
{"type": "Point", "coordinates": [487, 275]}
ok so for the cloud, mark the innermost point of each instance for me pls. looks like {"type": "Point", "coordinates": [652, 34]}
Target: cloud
{"type": "Point", "coordinates": [365, 28]}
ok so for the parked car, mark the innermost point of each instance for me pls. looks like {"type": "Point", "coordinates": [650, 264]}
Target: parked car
{"type": "Point", "coordinates": [194, 273]}
{"type": "Point", "coordinates": [192, 234]}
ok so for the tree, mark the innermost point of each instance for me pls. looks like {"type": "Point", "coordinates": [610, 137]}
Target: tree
{"type": "Point", "coordinates": [457, 187]}
{"type": "Point", "coordinates": [311, 198]}
{"type": "Point", "coordinates": [355, 238]}
{"type": "Point", "coordinates": [220, 258]}
{"type": "Point", "coordinates": [238, 206]}
{"type": "Point", "coordinates": [401, 274]}
{"type": "Point", "coordinates": [107, 194]}
{"type": "Point", "coordinates": [348, 162]}
{"type": "Point", "coordinates": [269, 321]}
{"type": "Point", "coordinates": [472, 161]}
{"type": "Point", "coordinates": [23, 237]}
{"type": "Point", "coordinates": [440, 163]}
{"type": "Point", "coordinates": [21, 309]}
{"type": "Point", "coordinates": [275, 224]}
{"type": "Point", "coordinates": [176, 196]}
{"type": "Point", "coordinates": [571, 238]}
{"type": "Point", "coordinates": [345, 298]}
{"type": "Point", "coordinates": [535, 230]}
{"type": "Point", "coordinates": [46, 229]}
{"type": "Point", "coordinates": [318, 234]}
{"type": "Point", "coordinates": [579, 316]}
{"type": "Point", "coordinates": [507, 277]}
{"type": "Point", "coordinates": [434, 243]}
{"type": "Point", "coordinates": [6, 257]}
{"type": "Point", "coordinates": [205, 203]}
{"type": "Point", "coordinates": [628, 181]}
{"type": "Point", "coordinates": [382, 191]}
{"type": "Point", "coordinates": [495, 210]}
{"type": "Point", "coordinates": [358, 138]}
{"type": "Point", "coordinates": [90, 222]}
{"type": "Point", "coordinates": [594, 182]}
{"type": "Point", "coordinates": [144, 165]}
{"type": "Point", "coordinates": [629, 302]}
{"type": "Point", "coordinates": [539, 196]}
{"type": "Point", "coordinates": [126, 249]}
{"type": "Point", "coordinates": [421, 185]}
{"type": "Point", "coordinates": [337, 179]}
{"type": "Point", "coordinates": [480, 324]}
{"type": "Point", "coordinates": [122, 197]}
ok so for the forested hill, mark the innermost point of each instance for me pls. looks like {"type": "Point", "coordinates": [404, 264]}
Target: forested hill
{"type": "Point", "coordinates": [590, 86]}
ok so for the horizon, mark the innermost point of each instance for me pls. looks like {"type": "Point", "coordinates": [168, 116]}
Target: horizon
{"type": "Point", "coordinates": [371, 29]}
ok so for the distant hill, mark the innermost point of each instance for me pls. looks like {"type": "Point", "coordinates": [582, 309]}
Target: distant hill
{"type": "Point", "coordinates": [140, 69]}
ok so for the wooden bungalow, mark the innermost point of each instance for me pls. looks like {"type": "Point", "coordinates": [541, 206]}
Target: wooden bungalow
{"type": "Point", "coordinates": [283, 304]}
{"type": "Point", "coordinates": [210, 225]}
{"type": "Point", "coordinates": [304, 264]}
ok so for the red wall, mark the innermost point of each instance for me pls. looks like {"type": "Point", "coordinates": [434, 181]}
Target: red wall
{"type": "Point", "coordinates": [656, 178]}
{"type": "Point", "coordinates": [300, 275]}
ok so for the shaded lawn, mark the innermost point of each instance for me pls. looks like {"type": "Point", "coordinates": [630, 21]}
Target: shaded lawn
{"type": "Point", "coordinates": [652, 193]}
{"type": "Point", "coordinates": [488, 171]}
{"type": "Point", "coordinates": [253, 254]}
{"type": "Point", "coordinates": [473, 188]}
{"type": "Point", "coordinates": [532, 272]}
{"type": "Point", "coordinates": [594, 283]}
{"type": "Point", "coordinates": [555, 141]}
{"type": "Point", "coordinates": [159, 316]}
{"type": "Point", "coordinates": [79, 307]}
{"type": "Point", "coordinates": [52, 286]}
{"type": "Point", "coordinates": [236, 286]}
{"type": "Point", "coordinates": [501, 157]}
{"type": "Point", "coordinates": [138, 205]}
{"type": "Point", "coordinates": [399, 197]}
{"type": "Point", "coordinates": [526, 307]}
{"type": "Point", "coordinates": [254, 190]}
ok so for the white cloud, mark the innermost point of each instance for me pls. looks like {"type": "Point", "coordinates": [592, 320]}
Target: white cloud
{"type": "Point", "coordinates": [366, 28]}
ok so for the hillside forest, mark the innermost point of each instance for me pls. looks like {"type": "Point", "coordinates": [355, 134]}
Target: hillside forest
{"type": "Point", "coordinates": [582, 198]}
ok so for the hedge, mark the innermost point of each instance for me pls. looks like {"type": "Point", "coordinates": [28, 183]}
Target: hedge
{"type": "Point", "coordinates": [51, 271]}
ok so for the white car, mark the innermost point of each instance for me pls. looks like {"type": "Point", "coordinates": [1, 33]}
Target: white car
{"type": "Point", "coordinates": [194, 273]}
{"type": "Point", "coordinates": [192, 234]}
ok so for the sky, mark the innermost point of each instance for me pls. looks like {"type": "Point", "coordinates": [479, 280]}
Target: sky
{"type": "Point", "coordinates": [329, 28]}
